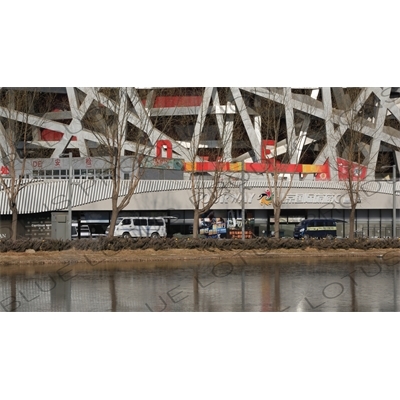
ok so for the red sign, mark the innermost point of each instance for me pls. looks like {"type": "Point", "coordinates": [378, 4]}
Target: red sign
{"type": "Point", "coordinates": [37, 164]}
{"type": "Point", "coordinates": [88, 162]}
{"type": "Point", "coordinates": [159, 148]}
{"type": "Point", "coordinates": [352, 170]}
{"type": "Point", "coordinates": [4, 170]}
{"type": "Point", "coordinates": [325, 173]}
{"type": "Point", "coordinates": [176, 101]}
{"type": "Point", "coordinates": [267, 146]}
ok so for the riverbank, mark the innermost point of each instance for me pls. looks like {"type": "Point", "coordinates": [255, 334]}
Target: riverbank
{"type": "Point", "coordinates": [121, 251]}
{"type": "Point", "coordinates": [126, 258]}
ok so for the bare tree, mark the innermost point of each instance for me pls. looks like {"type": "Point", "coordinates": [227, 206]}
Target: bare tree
{"type": "Point", "coordinates": [16, 135]}
{"type": "Point", "coordinates": [358, 144]}
{"type": "Point", "coordinates": [284, 139]}
{"type": "Point", "coordinates": [210, 151]}
{"type": "Point", "coordinates": [126, 139]}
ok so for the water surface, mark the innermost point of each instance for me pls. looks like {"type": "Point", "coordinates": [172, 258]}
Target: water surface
{"type": "Point", "coordinates": [259, 284]}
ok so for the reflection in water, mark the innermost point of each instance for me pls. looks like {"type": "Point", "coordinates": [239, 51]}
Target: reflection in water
{"type": "Point", "coordinates": [266, 290]}
{"type": "Point", "coordinates": [395, 288]}
{"type": "Point", "coordinates": [60, 295]}
{"type": "Point", "coordinates": [13, 297]}
{"type": "Point", "coordinates": [243, 289]}
{"type": "Point", "coordinates": [195, 289]}
{"type": "Point", "coordinates": [353, 285]}
{"type": "Point", "coordinates": [277, 289]}
{"type": "Point", "coordinates": [257, 285]}
{"type": "Point", "coordinates": [113, 292]}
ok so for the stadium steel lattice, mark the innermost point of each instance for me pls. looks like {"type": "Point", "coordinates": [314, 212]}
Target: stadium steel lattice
{"type": "Point", "coordinates": [320, 116]}
{"type": "Point", "coordinates": [313, 124]}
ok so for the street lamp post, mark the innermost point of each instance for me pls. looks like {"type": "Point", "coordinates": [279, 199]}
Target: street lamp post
{"type": "Point", "coordinates": [243, 206]}
{"type": "Point", "coordinates": [70, 197]}
{"type": "Point", "coordinates": [394, 179]}
{"type": "Point", "coordinates": [394, 202]}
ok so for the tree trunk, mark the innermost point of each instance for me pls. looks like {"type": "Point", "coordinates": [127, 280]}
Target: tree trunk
{"type": "Point", "coordinates": [14, 223]}
{"type": "Point", "coordinates": [352, 220]}
{"type": "Point", "coordinates": [113, 219]}
{"type": "Point", "coordinates": [196, 223]}
{"type": "Point", "coordinates": [277, 215]}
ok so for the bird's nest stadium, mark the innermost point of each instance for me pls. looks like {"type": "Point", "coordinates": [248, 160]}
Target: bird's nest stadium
{"type": "Point", "coordinates": [313, 140]}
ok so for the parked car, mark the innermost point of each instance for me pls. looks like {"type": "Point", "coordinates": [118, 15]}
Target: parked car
{"type": "Point", "coordinates": [85, 232]}
{"type": "Point", "coordinates": [127, 227]}
{"type": "Point", "coordinates": [315, 228]}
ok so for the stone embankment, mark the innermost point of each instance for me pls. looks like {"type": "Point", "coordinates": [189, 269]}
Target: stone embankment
{"type": "Point", "coordinates": [145, 252]}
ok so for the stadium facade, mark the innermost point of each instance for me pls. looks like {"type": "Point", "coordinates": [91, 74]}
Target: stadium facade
{"type": "Point", "coordinates": [321, 137]}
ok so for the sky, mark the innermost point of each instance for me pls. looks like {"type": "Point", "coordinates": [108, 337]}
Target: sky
{"type": "Point", "coordinates": [296, 44]}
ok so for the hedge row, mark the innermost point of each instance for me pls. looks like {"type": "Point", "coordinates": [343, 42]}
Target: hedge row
{"type": "Point", "coordinates": [117, 244]}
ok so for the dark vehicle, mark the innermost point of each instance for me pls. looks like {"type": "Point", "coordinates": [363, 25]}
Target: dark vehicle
{"type": "Point", "coordinates": [85, 231]}
{"type": "Point", "coordinates": [315, 228]}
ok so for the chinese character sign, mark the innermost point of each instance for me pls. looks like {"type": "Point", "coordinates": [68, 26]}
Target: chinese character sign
{"type": "Point", "coordinates": [4, 170]}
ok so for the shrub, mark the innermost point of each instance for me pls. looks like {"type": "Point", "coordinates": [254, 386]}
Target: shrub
{"type": "Point", "coordinates": [117, 244]}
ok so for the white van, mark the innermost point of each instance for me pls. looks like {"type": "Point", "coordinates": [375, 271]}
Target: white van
{"type": "Point", "coordinates": [154, 227]}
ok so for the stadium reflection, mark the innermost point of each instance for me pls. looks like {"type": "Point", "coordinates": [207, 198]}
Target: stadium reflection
{"type": "Point", "coordinates": [237, 285]}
